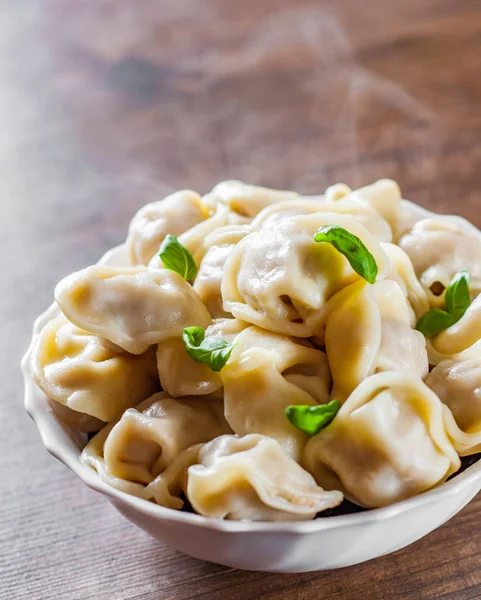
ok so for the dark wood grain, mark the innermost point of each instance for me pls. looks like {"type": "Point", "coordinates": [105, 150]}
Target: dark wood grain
{"type": "Point", "coordinates": [108, 104]}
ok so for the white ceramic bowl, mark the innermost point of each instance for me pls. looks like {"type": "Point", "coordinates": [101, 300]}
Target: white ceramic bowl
{"type": "Point", "coordinates": [325, 543]}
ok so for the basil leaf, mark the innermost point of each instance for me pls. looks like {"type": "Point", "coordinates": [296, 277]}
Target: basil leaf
{"type": "Point", "coordinates": [213, 351]}
{"type": "Point", "coordinates": [457, 300]}
{"type": "Point", "coordinates": [435, 321]}
{"type": "Point", "coordinates": [311, 419]}
{"type": "Point", "coordinates": [359, 257]}
{"type": "Point", "coordinates": [177, 258]}
{"type": "Point", "coordinates": [457, 297]}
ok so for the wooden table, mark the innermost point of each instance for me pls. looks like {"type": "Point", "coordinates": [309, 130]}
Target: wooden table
{"type": "Point", "coordinates": [108, 104]}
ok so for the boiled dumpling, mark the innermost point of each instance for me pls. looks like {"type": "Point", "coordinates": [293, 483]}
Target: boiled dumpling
{"type": "Point", "coordinates": [89, 375]}
{"type": "Point", "coordinates": [266, 373]}
{"type": "Point", "coordinates": [148, 438]}
{"type": "Point", "coordinates": [271, 216]}
{"type": "Point", "coordinates": [382, 196]}
{"type": "Point", "coordinates": [181, 375]}
{"type": "Point", "coordinates": [281, 279]}
{"type": "Point", "coordinates": [245, 199]}
{"type": "Point", "coordinates": [132, 307]}
{"type": "Point", "coordinates": [367, 331]}
{"type": "Point", "coordinates": [461, 341]}
{"type": "Point", "coordinates": [388, 442]}
{"type": "Point", "coordinates": [212, 257]}
{"type": "Point", "coordinates": [194, 238]}
{"type": "Point", "coordinates": [439, 247]}
{"type": "Point", "coordinates": [251, 479]}
{"type": "Point", "coordinates": [172, 215]}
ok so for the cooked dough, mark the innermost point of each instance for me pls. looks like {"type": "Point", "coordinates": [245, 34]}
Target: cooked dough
{"type": "Point", "coordinates": [388, 442]}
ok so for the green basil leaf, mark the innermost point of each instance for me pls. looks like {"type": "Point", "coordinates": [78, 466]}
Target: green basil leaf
{"type": "Point", "coordinates": [434, 321]}
{"type": "Point", "coordinates": [457, 297]}
{"type": "Point", "coordinates": [177, 258]}
{"type": "Point", "coordinates": [457, 300]}
{"type": "Point", "coordinates": [359, 257]}
{"type": "Point", "coordinates": [213, 351]}
{"type": "Point", "coordinates": [311, 419]}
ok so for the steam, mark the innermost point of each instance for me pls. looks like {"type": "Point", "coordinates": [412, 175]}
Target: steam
{"type": "Point", "coordinates": [294, 107]}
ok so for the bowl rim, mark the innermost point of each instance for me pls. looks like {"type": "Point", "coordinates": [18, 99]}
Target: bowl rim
{"type": "Point", "coordinates": [58, 442]}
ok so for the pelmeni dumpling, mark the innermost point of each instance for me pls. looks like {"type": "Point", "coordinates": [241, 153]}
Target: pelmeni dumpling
{"type": "Point", "coordinates": [174, 214]}
{"type": "Point", "coordinates": [271, 216]}
{"type": "Point", "coordinates": [382, 196]}
{"type": "Point", "coordinates": [461, 341]}
{"type": "Point", "coordinates": [148, 438]}
{"type": "Point", "coordinates": [211, 258]}
{"type": "Point", "coordinates": [388, 442]}
{"type": "Point", "coordinates": [368, 331]}
{"type": "Point", "coordinates": [194, 239]}
{"type": "Point", "coordinates": [250, 478]}
{"type": "Point", "coordinates": [439, 247]}
{"type": "Point", "coordinates": [281, 279]}
{"type": "Point", "coordinates": [402, 272]}
{"type": "Point", "coordinates": [132, 307]}
{"type": "Point", "coordinates": [458, 386]}
{"type": "Point", "coordinates": [266, 373]}
{"type": "Point", "coordinates": [181, 375]}
{"type": "Point", "coordinates": [245, 199]}
{"type": "Point", "coordinates": [88, 374]}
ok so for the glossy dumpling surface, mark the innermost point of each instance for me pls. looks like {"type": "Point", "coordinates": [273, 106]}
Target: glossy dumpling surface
{"type": "Point", "coordinates": [368, 331]}
{"type": "Point", "coordinates": [266, 373]}
{"type": "Point", "coordinates": [251, 478]}
{"type": "Point", "coordinates": [173, 215]}
{"type": "Point", "coordinates": [388, 442]}
{"type": "Point", "coordinates": [88, 374]}
{"type": "Point", "coordinates": [149, 437]}
{"type": "Point", "coordinates": [383, 197]}
{"type": "Point", "coordinates": [281, 279]}
{"type": "Point", "coordinates": [271, 216]}
{"type": "Point", "coordinates": [439, 247]}
{"type": "Point", "coordinates": [245, 199]}
{"type": "Point", "coordinates": [132, 307]}
{"type": "Point", "coordinates": [461, 341]}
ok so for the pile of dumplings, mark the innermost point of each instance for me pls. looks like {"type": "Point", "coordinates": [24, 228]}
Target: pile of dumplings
{"type": "Point", "coordinates": [305, 329]}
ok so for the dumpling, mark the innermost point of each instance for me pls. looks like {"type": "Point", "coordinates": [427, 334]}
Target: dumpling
{"type": "Point", "coordinates": [245, 199]}
{"type": "Point", "coordinates": [174, 214]}
{"type": "Point", "coordinates": [132, 307]}
{"type": "Point", "coordinates": [458, 386]}
{"type": "Point", "coordinates": [439, 247]}
{"type": "Point", "coordinates": [89, 375]}
{"type": "Point", "coordinates": [266, 373]}
{"type": "Point", "coordinates": [382, 196]}
{"type": "Point", "coordinates": [148, 438]}
{"type": "Point", "coordinates": [388, 442]}
{"type": "Point", "coordinates": [281, 279]}
{"type": "Point", "coordinates": [461, 341]}
{"type": "Point", "coordinates": [271, 216]}
{"type": "Point", "coordinates": [251, 479]}
{"type": "Point", "coordinates": [368, 331]}
{"type": "Point", "coordinates": [181, 375]}
{"type": "Point", "coordinates": [216, 248]}
{"type": "Point", "coordinates": [194, 239]}
{"type": "Point", "coordinates": [402, 272]}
